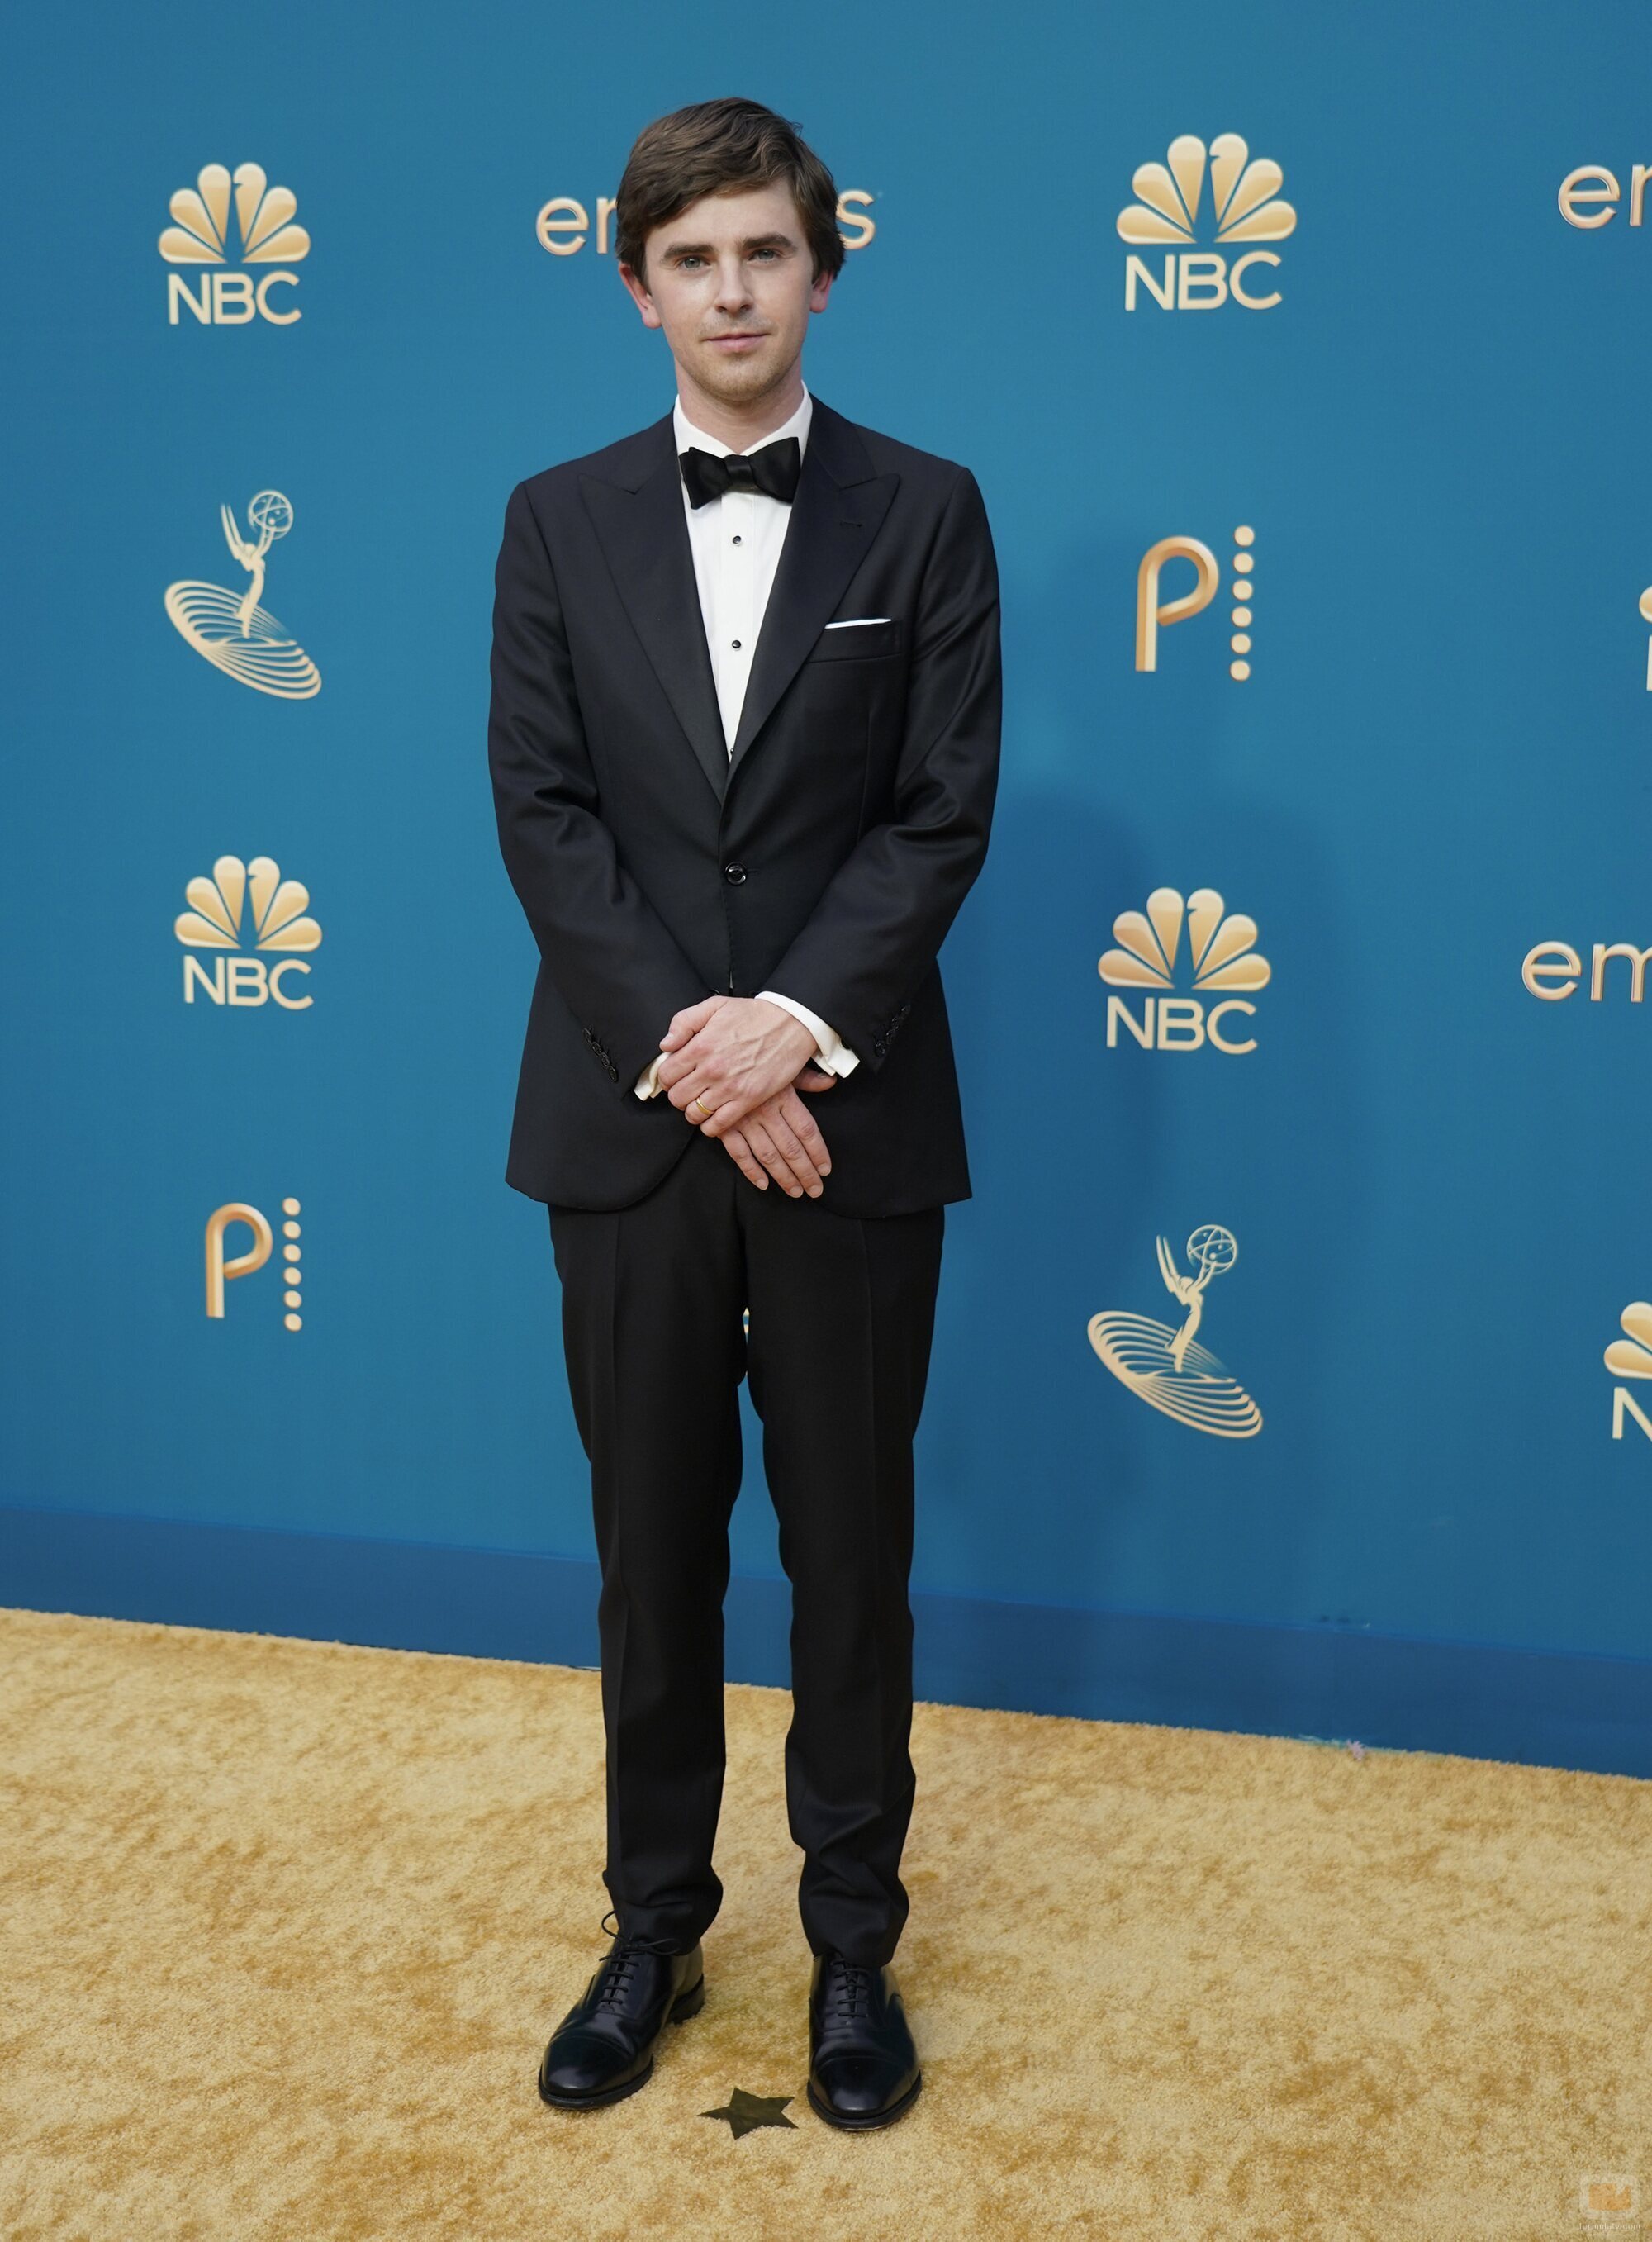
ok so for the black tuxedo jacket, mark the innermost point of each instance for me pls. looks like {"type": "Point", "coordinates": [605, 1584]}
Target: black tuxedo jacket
{"type": "Point", "coordinates": [826, 858]}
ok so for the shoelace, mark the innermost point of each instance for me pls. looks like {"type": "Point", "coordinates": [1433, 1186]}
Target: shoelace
{"type": "Point", "coordinates": [847, 1991]}
{"type": "Point", "coordinates": [622, 1960]}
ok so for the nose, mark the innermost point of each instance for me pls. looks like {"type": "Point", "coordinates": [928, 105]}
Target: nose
{"type": "Point", "coordinates": [733, 289]}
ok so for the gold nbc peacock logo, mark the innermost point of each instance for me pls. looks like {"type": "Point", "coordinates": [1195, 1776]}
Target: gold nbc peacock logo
{"type": "Point", "coordinates": [1220, 951]}
{"type": "Point", "coordinates": [246, 906]}
{"type": "Point", "coordinates": [1244, 194]}
{"type": "Point", "coordinates": [265, 234]}
{"type": "Point", "coordinates": [1244, 203]}
{"type": "Point", "coordinates": [1631, 1357]}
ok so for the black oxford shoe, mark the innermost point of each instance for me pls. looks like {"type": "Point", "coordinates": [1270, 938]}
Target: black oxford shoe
{"type": "Point", "coordinates": [862, 2067]}
{"type": "Point", "coordinates": [603, 2048]}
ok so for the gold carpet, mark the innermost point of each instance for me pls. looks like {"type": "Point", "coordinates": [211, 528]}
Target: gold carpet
{"type": "Point", "coordinates": [284, 1927]}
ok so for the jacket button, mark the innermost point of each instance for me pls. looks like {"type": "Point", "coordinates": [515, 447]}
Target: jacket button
{"type": "Point", "coordinates": [734, 874]}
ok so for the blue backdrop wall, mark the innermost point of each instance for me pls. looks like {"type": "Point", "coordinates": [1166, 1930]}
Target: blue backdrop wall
{"type": "Point", "coordinates": [1425, 500]}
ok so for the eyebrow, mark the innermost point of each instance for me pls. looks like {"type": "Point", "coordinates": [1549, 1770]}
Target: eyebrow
{"type": "Point", "coordinates": [752, 241]}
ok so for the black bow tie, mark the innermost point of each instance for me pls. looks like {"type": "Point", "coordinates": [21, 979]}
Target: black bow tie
{"type": "Point", "coordinates": [774, 470]}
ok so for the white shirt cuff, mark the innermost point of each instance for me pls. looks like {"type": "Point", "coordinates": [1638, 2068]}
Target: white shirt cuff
{"type": "Point", "coordinates": [834, 1055]}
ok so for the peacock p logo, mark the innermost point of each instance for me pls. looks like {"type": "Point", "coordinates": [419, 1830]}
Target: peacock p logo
{"type": "Point", "coordinates": [224, 1267]}
{"type": "Point", "coordinates": [263, 234]}
{"type": "Point", "coordinates": [1154, 612]}
{"type": "Point", "coordinates": [1219, 958]}
{"type": "Point", "coordinates": [242, 907]}
{"type": "Point", "coordinates": [1242, 205]}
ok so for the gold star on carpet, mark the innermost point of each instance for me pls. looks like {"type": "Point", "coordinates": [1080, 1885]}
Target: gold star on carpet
{"type": "Point", "coordinates": [745, 2111]}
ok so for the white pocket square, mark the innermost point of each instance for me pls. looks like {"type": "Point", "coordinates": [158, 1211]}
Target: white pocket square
{"type": "Point", "coordinates": [859, 622]}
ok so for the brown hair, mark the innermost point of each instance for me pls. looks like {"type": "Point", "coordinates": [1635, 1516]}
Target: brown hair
{"type": "Point", "coordinates": [717, 147]}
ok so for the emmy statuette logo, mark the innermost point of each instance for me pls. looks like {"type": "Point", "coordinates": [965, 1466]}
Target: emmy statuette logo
{"type": "Point", "coordinates": [1220, 957]}
{"type": "Point", "coordinates": [1154, 612]}
{"type": "Point", "coordinates": [1168, 1369]}
{"type": "Point", "coordinates": [264, 235]}
{"type": "Point", "coordinates": [563, 225]}
{"type": "Point", "coordinates": [1245, 207]}
{"type": "Point", "coordinates": [230, 629]}
{"type": "Point", "coordinates": [278, 921]}
{"type": "Point", "coordinates": [222, 1268]}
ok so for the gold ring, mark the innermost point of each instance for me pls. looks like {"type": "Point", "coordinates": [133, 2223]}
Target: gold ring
{"type": "Point", "coordinates": [701, 1102]}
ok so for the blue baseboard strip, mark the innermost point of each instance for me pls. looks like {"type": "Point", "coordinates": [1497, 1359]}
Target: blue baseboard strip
{"type": "Point", "coordinates": [1542, 1709]}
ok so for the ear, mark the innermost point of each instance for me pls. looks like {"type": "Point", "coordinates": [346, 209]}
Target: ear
{"type": "Point", "coordinates": [820, 291]}
{"type": "Point", "coordinates": [637, 289]}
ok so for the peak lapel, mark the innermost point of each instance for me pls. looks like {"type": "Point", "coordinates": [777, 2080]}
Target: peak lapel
{"type": "Point", "coordinates": [639, 521]}
{"type": "Point", "coordinates": [838, 510]}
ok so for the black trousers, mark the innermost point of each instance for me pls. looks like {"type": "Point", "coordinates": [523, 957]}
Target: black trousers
{"type": "Point", "coordinates": [842, 1315]}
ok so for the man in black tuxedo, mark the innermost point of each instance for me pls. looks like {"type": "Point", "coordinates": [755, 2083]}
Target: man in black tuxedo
{"type": "Point", "coordinates": [744, 742]}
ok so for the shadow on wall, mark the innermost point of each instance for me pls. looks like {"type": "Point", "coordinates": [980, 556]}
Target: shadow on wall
{"type": "Point", "coordinates": [1041, 1478]}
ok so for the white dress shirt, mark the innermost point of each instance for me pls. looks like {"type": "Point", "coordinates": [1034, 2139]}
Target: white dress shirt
{"type": "Point", "coordinates": [736, 541]}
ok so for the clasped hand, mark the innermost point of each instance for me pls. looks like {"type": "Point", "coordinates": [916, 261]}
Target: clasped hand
{"type": "Point", "coordinates": [733, 1067]}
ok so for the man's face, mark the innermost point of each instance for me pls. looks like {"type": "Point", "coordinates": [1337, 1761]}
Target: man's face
{"type": "Point", "coordinates": [730, 280]}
